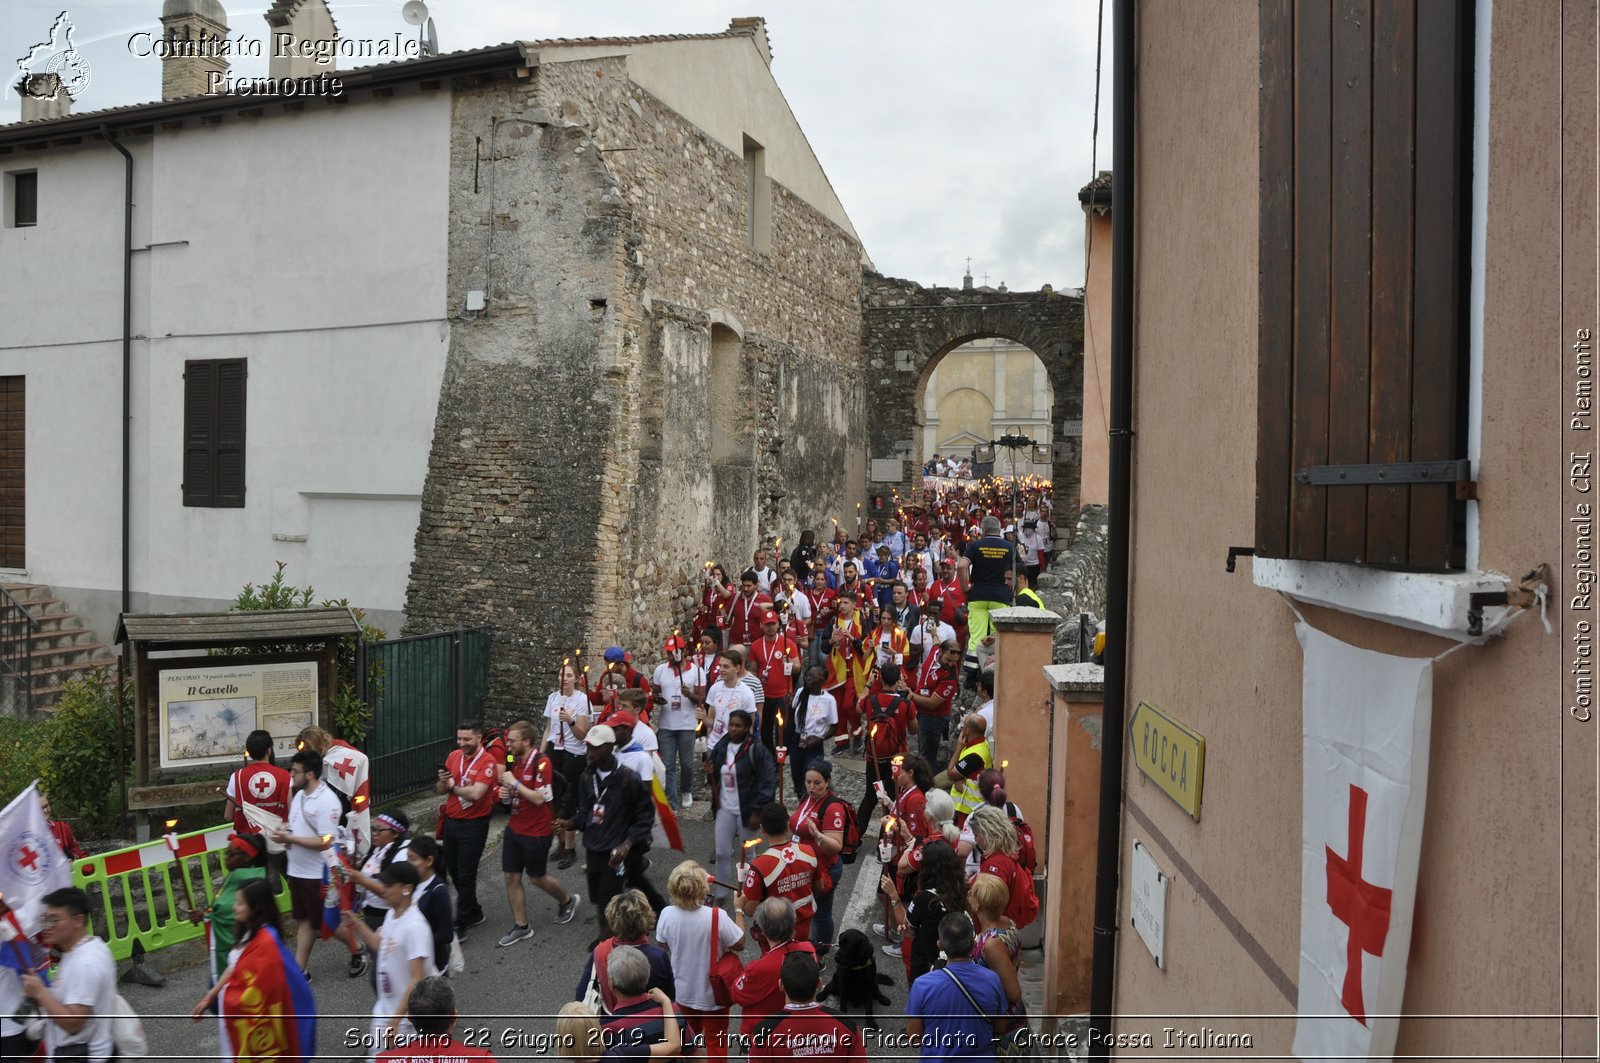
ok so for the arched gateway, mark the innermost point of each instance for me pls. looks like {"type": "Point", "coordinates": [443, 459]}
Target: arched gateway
{"type": "Point", "coordinates": [906, 329]}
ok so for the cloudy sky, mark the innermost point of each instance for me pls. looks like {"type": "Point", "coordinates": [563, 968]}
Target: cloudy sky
{"type": "Point", "coordinates": [949, 129]}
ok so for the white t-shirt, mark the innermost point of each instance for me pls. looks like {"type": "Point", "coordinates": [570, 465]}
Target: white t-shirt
{"type": "Point", "coordinates": [678, 713]}
{"type": "Point", "coordinates": [88, 976]}
{"type": "Point", "coordinates": [918, 636]}
{"type": "Point", "coordinates": [799, 605]}
{"type": "Point", "coordinates": [312, 814]}
{"type": "Point", "coordinates": [687, 936]}
{"type": "Point", "coordinates": [402, 938]}
{"type": "Point", "coordinates": [641, 761]}
{"type": "Point", "coordinates": [822, 715]}
{"type": "Point", "coordinates": [728, 777]}
{"type": "Point", "coordinates": [986, 710]}
{"type": "Point", "coordinates": [721, 700]}
{"type": "Point", "coordinates": [375, 863]}
{"type": "Point", "coordinates": [562, 734]}
{"type": "Point", "coordinates": [766, 579]}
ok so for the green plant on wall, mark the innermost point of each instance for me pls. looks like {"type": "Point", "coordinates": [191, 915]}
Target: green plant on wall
{"type": "Point", "coordinates": [352, 717]}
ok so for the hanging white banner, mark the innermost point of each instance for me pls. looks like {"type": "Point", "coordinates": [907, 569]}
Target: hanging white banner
{"type": "Point", "coordinates": [1367, 720]}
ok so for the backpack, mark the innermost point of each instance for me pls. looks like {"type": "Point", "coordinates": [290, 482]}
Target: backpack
{"type": "Point", "coordinates": [882, 717]}
{"type": "Point", "coordinates": [1027, 856]}
{"type": "Point", "coordinates": [852, 829]}
{"type": "Point", "coordinates": [1023, 907]}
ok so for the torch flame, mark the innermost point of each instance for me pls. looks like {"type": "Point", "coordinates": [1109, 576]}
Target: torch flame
{"type": "Point", "coordinates": [1004, 764]}
{"type": "Point", "coordinates": [171, 823]}
{"type": "Point", "coordinates": [745, 850]}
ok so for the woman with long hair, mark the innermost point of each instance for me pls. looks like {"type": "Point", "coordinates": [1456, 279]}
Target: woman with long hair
{"type": "Point", "coordinates": [715, 597]}
{"type": "Point", "coordinates": [997, 847]}
{"type": "Point", "coordinates": [684, 929]}
{"type": "Point", "coordinates": [432, 897]}
{"type": "Point", "coordinates": [997, 945]}
{"type": "Point", "coordinates": [941, 888]}
{"type": "Point", "coordinates": [264, 1001]}
{"type": "Point", "coordinates": [568, 715]}
{"type": "Point", "coordinates": [902, 826]}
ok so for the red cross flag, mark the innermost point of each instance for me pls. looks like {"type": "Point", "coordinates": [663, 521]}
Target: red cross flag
{"type": "Point", "coordinates": [345, 768]}
{"type": "Point", "coordinates": [1367, 718]}
{"type": "Point", "coordinates": [31, 863]}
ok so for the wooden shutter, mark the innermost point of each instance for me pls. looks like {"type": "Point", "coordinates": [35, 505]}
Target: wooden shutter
{"type": "Point", "coordinates": [214, 432]}
{"type": "Point", "coordinates": [13, 472]}
{"type": "Point", "coordinates": [1365, 169]}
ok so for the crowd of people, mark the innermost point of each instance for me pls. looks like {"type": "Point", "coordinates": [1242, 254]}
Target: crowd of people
{"type": "Point", "coordinates": [845, 648]}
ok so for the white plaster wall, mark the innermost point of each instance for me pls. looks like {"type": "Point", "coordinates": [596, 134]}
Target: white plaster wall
{"type": "Point", "coordinates": [316, 249]}
{"type": "Point", "coordinates": [726, 88]}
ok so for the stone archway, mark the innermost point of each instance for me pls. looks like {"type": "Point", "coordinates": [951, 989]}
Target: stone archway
{"type": "Point", "coordinates": [906, 329]}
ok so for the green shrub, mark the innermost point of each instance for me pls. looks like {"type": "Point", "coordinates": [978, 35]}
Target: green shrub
{"type": "Point", "coordinates": [24, 745]}
{"type": "Point", "coordinates": [351, 716]}
{"type": "Point", "coordinates": [79, 769]}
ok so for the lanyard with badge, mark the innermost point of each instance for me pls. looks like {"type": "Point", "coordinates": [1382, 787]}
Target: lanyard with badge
{"type": "Point", "coordinates": [466, 775]}
{"type": "Point", "coordinates": [730, 768]}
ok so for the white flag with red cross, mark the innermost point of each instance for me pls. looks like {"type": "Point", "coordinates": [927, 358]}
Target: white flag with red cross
{"type": "Point", "coordinates": [31, 863]}
{"type": "Point", "coordinates": [1367, 719]}
{"type": "Point", "coordinates": [345, 768]}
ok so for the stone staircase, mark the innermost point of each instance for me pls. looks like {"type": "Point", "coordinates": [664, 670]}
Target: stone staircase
{"type": "Point", "coordinates": [62, 646]}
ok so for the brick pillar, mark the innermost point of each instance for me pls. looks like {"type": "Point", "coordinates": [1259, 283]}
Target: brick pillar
{"type": "Point", "coordinates": [1071, 834]}
{"type": "Point", "coordinates": [1022, 705]}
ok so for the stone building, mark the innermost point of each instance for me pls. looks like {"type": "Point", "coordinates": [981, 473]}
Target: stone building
{"type": "Point", "coordinates": [620, 305]}
{"type": "Point", "coordinates": [982, 390]}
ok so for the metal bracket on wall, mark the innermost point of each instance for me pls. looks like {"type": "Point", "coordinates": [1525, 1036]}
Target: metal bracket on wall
{"type": "Point", "coordinates": [1236, 552]}
{"type": "Point", "coordinates": [1457, 472]}
{"type": "Point", "coordinates": [1523, 596]}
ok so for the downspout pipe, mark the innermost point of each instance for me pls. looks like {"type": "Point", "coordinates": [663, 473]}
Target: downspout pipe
{"type": "Point", "coordinates": [1120, 425]}
{"type": "Point", "coordinates": [127, 362]}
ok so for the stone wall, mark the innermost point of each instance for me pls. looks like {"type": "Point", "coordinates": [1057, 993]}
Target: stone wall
{"type": "Point", "coordinates": [571, 498]}
{"type": "Point", "coordinates": [906, 329]}
{"type": "Point", "coordinates": [525, 464]}
{"type": "Point", "coordinates": [1076, 581]}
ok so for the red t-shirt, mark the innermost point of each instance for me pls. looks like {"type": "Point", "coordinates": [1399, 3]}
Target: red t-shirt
{"type": "Point", "coordinates": [951, 597]}
{"type": "Point", "coordinates": [766, 662]}
{"type": "Point", "coordinates": [935, 678]}
{"type": "Point", "coordinates": [830, 813]}
{"type": "Point", "coordinates": [263, 785]}
{"type": "Point", "coordinates": [787, 871]}
{"type": "Point", "coordinates": [483, 767]}
{"type": "Point", "coordinates": [1007, 870]}
{"type": "Point", "coordinates": [744, 617]}
{"type": "Point", "coordinates": [888, 718]}
{"type": "Point", "coordinates": [758, 991]}
{"type": "Point", "coordinates": [434, 1049]}
{"type": "Point", "coordinates": [529, 819]}
{"type": "Point", "coordinates": [912, 807]}
{"type": "Point", "coordinates": [808, 1031]}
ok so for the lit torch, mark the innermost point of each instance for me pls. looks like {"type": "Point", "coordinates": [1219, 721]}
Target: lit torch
{"type": "Point", "coordinates": [171, 838]}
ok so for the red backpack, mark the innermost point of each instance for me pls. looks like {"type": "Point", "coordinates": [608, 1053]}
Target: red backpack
{"type": "Point", "coordinates": [1027, 856]}
{"type": "Point", "coordinates": [852, 829]}
{"type": "Point", "coordinates": [1023, 907]}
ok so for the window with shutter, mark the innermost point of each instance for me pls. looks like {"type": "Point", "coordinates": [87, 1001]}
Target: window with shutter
{"type": "Point", "coordinates": [1365, 170]}
{"type": "Point", "coordinates": [213, 432]}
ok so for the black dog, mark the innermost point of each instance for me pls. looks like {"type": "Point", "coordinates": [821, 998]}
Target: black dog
{"type": "Point", "coordinates": [856, 979]}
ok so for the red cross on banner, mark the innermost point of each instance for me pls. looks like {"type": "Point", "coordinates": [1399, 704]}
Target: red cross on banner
{"type": "Point", "coordinates": [345, 769]}
{"type": "Point", "coordinates": [29, 858]}
{"type": "Point", "coordinates": [1363, 907]}
{"type": "Point", "coordinates": [1365, 781]}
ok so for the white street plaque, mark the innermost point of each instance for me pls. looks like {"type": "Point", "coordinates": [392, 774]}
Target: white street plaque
{"type": "Point", "coordinates": [1147, 909]}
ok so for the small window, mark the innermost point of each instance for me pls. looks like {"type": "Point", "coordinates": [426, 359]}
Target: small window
{"type": "Point", "coordinates": [758, 197]}
{"type": "Point", "coordinates": [23, 199]}
{"type": "Point", "coordinates": [213, 432]}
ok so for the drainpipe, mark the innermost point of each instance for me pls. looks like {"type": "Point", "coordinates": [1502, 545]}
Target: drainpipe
{"type": "Point", "coordinates": [127, 359]}
{"type": "Point", "coordinates": [1109, 853]}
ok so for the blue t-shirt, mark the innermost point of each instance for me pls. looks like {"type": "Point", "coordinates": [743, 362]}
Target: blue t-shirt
{"type": "Point", "coordinates": [950, 1030]}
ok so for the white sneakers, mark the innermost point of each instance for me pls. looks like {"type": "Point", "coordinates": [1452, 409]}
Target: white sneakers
{"type": "Point", "coordinates": [687, 801]}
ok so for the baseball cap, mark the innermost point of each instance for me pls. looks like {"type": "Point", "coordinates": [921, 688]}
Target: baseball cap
{"type": "Point", "coordinates": [615, 654]}
{"type": "Point", "coordinates": [769, 617]}
{"type": "Point", "coordinates": [620, 718]}
{"type": "Point", "coordinates": [600, 735]}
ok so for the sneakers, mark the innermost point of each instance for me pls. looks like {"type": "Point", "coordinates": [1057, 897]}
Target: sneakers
{"type": "Point", "coordinates": [568, 857]}
{"type": "Point", "coordinates": [467, 924]}
{"type": "Point", "coordinates": [569, 909]}
{"type": "Point", "coordinates": [884, 932]}
{"type": "Point", "coordinates": [516, 934]}
{"type": "Point", "coordinates": [688, 802]}
{"type": "Point", "coordinates": [358, 963]}
{"type": "Point", "coordinates": [892, 950]}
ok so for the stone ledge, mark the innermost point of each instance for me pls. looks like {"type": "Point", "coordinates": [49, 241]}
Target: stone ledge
{"type": "Point", "coordinates": [1076, 678]}
{"type": "Point", "coordinates": [1024, 618]}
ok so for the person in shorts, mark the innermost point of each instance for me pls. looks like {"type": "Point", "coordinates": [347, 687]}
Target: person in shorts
{"type": "Point", "coordinates": [528, 786]}
{"type": "Point", "coordinates": [313, 817]}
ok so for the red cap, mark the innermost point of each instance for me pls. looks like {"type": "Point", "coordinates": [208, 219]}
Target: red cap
{"type": "Point", "coordinates": [769, 617]}
{"type": "Point", "coordinates": [620, 718]}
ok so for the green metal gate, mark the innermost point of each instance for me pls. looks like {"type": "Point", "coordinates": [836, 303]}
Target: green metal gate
{"type": "Point", "coordinates": [420, 688]}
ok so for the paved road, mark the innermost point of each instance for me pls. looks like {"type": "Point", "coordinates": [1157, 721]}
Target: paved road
{"type": "Point", "coordinates": [506, 996]}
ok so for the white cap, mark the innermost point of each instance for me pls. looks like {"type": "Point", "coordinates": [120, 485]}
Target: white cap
{"type": "Point", "coordinates": [601, 735]}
